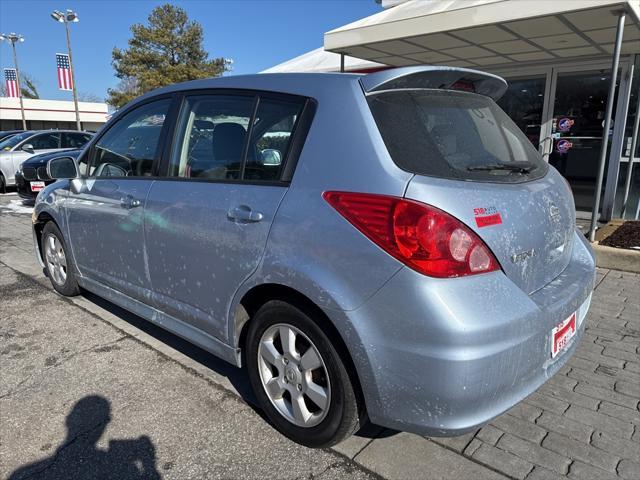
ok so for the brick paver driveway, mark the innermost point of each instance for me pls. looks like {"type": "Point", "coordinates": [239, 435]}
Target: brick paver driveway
{"type": "Point", "coordinates": [584, 423]}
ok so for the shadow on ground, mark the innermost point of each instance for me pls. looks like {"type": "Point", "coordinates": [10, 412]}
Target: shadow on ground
{"type": "Point", "coordinates": [78, 455]}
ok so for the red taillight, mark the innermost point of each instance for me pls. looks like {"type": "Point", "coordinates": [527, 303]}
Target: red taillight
{"type": "Point", "coordinates": [422, 237]}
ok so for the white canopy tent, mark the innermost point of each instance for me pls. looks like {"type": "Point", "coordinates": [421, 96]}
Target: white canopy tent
{"type": "Point", "coordinates": [319, 60]}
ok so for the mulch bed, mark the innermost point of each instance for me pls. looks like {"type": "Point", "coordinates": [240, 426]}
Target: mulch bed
{"type": "Point", "coordinates": [627, 235]}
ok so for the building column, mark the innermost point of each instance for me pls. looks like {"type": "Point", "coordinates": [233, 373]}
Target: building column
{"type": "Point", "coordinates": [607, 124]}
{"type": "Point", "coordinates": [617, 143]}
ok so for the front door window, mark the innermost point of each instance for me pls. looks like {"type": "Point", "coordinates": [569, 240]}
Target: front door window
{"type": "Point", "coordinates": [576, 128]}
{"type": "Point", "coordinates": [129, 148]}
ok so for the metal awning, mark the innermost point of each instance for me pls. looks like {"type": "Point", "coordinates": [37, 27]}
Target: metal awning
{"type": "Point", "coordinates": [485, 33]}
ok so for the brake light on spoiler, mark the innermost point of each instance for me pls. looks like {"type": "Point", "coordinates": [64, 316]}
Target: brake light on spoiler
{"type": "Point", "coordinates": [422, 237]}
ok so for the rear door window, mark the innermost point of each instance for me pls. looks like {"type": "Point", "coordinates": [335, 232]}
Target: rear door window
{"type": "Point", "coordinates": [454, 135]}
{"type": "Point", "coordinates": [212, 137]}
{"type": "Point", "coordinates": [271, 138]}
{"type": "Point", "coordinates": [227, 137]}
{"type": "Point", "coordinates": [45, 141]}
{"type": "Point", "coordinates": [74, 140]}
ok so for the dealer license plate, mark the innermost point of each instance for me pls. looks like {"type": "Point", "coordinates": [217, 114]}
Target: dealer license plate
{"type": "Point", "coordinates": [562, 334]}
{"type": "Point", "coordinates": [37, 186]}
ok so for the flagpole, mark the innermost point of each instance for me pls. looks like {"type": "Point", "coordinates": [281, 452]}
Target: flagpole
{"type": "Point", "coordinates": [73, 78]}
{"type": "Point", "coordinates": [12, 38]}
{"type": "Point", "coordinates": [66, 17]}
{"type": "Point", "coordinates": [15, 61]}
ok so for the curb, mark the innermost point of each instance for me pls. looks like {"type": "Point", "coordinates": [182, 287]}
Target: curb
{"type": "Point", "coordinates": [617, 258]}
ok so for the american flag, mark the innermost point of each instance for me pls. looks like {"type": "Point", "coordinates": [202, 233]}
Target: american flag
{"type": "Point", "coordinates": [12, 82]}
{"type": "Point", "coordinates": [64, 72]}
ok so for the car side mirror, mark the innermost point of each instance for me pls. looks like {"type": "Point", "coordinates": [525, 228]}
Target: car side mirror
{"type": "Point", "coordinates": [271, 156]}
{"type": "Point", "coordinates": [27, 147]}
{"type": "Point", "coordinates": [62, 168]}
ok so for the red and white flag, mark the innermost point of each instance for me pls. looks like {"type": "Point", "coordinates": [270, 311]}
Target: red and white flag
{"type": "Point", "coordinates": [11, 78]}
{"type": "Point", "coordinates": [64, 72]}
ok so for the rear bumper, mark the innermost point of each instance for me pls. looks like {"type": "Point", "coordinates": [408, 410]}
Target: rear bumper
{"type": "Point", "coordinates": [444, 356]}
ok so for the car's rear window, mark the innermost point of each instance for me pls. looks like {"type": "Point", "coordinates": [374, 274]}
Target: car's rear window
{"type": "Point", "coordinates": [455, 135]}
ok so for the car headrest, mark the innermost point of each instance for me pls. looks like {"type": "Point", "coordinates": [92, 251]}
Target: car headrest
{"type": "Point", "coordinates": [228, 141]}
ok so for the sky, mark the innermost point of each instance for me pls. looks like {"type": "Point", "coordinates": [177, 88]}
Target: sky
{"type": "Point", "coordinates": [256, 34]}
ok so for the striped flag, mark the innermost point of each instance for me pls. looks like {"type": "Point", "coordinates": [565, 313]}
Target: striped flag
{"type": "Point", "coordinates": [64, 72]}
{"type": "Point", "coordinates": [11, 78]}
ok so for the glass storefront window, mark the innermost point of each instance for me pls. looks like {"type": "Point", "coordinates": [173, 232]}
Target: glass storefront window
{"type": "Point", "coordinates": [634, 191]}
{"type": "Point", "coordinates": [578, 117]}
{"type": "Point", "coordinates": [631, 117]}
{"type": "Point", "coordinates": [634, 187]}
{"type": "Point", "coordinates": [523, 102]}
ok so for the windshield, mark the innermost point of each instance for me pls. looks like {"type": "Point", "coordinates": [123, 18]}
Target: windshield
{"type": "Point", "coordinates": [456, 135]}
{"type": "Point", "coordinates": [9, 143]}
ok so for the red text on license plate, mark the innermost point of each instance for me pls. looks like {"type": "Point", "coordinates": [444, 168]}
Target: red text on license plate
{"type": "Point", "coordinates": [37, 186]}
{"type": "Point", "coordinates": [562, 334]}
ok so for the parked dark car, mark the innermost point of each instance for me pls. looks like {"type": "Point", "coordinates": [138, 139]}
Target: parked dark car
{"type": "Point", "coordinates": [8, 133]}
{"type": "Point", "coordinates": [32, 174]}
{"type": "Point", "coordinates": [14, 150]}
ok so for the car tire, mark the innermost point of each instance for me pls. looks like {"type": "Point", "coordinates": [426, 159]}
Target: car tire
{"type": "Point", "coordinates": [309, 371]}
{"type": "Point", "coordinates": [3, 184]}
{"type": "Point", "coordinates": [59, 265]}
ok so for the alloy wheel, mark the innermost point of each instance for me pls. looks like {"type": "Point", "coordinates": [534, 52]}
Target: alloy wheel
{"type": "Point", "coordinates": [294, 375]}
{"type": "Point", "coordinates": [56, 260]}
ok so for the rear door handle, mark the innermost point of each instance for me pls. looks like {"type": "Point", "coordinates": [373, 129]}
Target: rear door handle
{"type": "Point", "coordinates": [129, 202]}
{"type": "Point", "coordinates": [243, 213]}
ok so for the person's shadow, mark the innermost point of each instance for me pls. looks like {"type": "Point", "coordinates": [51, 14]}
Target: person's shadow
{"type": "Point", "coordinates": [79, 457]}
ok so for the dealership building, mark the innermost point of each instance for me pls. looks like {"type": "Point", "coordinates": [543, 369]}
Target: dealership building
{"type": "Point", "coordinates": [51, 114]}
{"type": "Point", "coordinates": [556, 55]}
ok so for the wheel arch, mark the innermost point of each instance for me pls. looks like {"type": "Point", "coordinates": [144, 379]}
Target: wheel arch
{"type": "Point", "coordinates": [38, 226]}
{"type": "Point", "coordinates": [260, 294]}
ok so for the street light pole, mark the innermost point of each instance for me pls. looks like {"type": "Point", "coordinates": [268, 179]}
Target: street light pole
{"type": "Point", "coordinates": [12, 38]}
{"type": "Point", "coordinates": [70, 16]}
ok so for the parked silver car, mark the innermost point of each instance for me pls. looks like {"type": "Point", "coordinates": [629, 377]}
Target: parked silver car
{"type": "Point", "coordinates": [387, 246]}
{"type": "Point", "coordinates": [15, 149]}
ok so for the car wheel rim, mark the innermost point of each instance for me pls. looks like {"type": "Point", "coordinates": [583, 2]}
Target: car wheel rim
{"type": "Point", "coordinates": [56, 260]}
{"type": "Point", "coordinates": [294, 375]}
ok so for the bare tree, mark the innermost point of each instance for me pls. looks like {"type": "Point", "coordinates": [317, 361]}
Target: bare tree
{"type": "Point", "coordinates": [89, 97]}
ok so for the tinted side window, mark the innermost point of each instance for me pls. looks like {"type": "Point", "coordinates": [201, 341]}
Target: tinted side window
{"type": "Point", "coordinates": [271, 137]}
{"type": "Point", "coordinates": [74, 140]}
{"type": "Point", "coordinates": [45, 141]}
{"type": "Point", "coordinates": [211, 137]}
{"type": "Point", "coordinates": [130, 146]}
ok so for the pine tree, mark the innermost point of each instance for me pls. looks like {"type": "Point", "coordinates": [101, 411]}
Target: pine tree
{"type": "Point", "coordinates": [168, 50]}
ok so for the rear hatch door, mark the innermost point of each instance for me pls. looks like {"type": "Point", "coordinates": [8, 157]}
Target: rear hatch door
{"type": "Point", "coordinates": [472, 161]}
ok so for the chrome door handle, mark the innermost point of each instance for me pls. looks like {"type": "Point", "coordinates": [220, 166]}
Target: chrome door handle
{"type": "Point", "coordinates": [129, 202]}
{"type": "Point", "coordinates": [243, 213]}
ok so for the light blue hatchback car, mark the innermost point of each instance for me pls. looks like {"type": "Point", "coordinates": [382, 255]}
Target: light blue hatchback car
{"type": "Point", "coordinates": [386, 246]}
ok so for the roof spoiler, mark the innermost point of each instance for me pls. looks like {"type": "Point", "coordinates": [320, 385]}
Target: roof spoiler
{"type": "Point", "coordinates": [434, 77]}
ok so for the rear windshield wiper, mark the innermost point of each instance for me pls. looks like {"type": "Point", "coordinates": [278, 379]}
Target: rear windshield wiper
{"type": "Point", "coordinates": [500, 167]}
